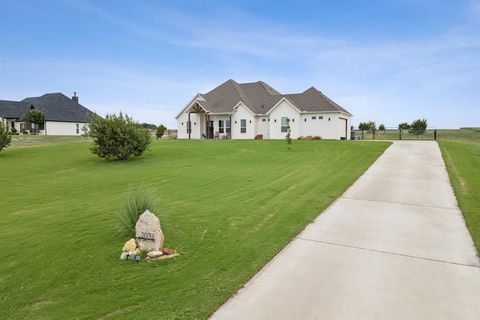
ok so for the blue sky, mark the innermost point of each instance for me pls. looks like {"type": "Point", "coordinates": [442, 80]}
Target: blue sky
{"type": "Point", "coordinates": [389, 61]}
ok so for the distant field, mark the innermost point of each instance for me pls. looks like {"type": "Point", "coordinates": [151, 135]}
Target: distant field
{"type": "Point", "coordinates": [227, 206]}
{"type": "Point", "coordinates": [470, 134]}
{"type": "Point", "coordinates": [22, 141]}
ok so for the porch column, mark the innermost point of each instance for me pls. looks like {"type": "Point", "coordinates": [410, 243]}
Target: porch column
{"type": "Point", "coordinates": [206, 126]}
{"type": "Point", "coordinates": [231, 125]}
{"type": "Point", "coordinates": [189, 127]}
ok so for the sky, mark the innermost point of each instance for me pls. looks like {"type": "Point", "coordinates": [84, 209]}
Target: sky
{"type": "Point", "coordinates": [387, 61]}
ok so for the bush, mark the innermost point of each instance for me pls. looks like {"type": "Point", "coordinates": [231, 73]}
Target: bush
{"type": "Point", "coordinates": [381, 127]}
{"type": "Point", "coordinates": [36, 117]}
{"type": "Point", "coordinates": [5, 136]}
{"type": "Point", "coordinates": [118, 137]}
{"type": "Point", "coordinates": [316, 138]}
{"type": "Point", "coordinates": [160, 131]}
{"type": "Point", "coordinates": [138, 200]}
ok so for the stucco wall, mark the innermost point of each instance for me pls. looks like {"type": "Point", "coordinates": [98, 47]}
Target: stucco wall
{"type": "Point", "coordinates": [57, 128]}
{"type": "Point", "coordinates": [284, 109]}
{"type": "Point", "coordinates": [198, 124]}
{"type": "Point", "coordinates": [243, 113]}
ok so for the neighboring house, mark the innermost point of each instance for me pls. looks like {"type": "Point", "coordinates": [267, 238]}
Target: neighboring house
{"type": "Point", "coordinates": [63, 115]}
{"type": "Point", "coordinates": [249, 110]}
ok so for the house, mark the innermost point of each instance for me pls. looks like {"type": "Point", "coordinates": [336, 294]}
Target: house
{"type": "Point", "coordinates": [255, 110]}
{"type": "Point", "coordinates": [63, 115]}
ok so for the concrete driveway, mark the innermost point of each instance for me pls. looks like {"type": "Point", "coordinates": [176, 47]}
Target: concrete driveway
{"type": "Point", "coordinates": [394, 246]}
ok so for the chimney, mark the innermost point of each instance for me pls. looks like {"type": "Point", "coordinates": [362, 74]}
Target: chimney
{"type": "Point", "coordinates": [75, 98]}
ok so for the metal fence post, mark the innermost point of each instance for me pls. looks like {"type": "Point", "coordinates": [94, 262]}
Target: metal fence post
{"type": "Point", "coordinates": [435, 134]}
{"type": "Point", "coordinates": [399, 133]}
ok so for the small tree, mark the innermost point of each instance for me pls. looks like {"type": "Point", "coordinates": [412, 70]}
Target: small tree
{"type": "Point", "coordinates": [363, 126]}
{"type": "Point", "coordinates": [372, 128]}
{"type": "Point", "coordinates": [118, 137]}
{"type": "Point", "coordinates": [35, 117]}
{"type": "Point", "coordinates": [288, 137]}
{"type": "Point", "coordinates": [5, 136]}
{"type": "Point", "coordinates": [381, 127]}
{"type": "Point", "coordinates": [418, 127]}
{"type": "Point", "coordinates": [160, 131]}
{"type": "Point", "coordinates": [403, 126]}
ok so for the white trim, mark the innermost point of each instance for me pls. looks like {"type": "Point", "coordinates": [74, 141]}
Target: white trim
{"type": "Point", "coordinates": [278, 103]}
{"type": "Point", "coordinates": [197, 96]}
{"type": "Point", "coordinates": [243, 104]}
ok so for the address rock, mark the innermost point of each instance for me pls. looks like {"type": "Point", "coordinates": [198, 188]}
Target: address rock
{"type": "Point", "coordinates": [148, 232]}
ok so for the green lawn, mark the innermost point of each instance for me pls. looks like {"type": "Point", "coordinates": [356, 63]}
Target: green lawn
{"type": "Point", "coordinates": [227, 206]}
{"type": "Point", "coordinates": [463, 164]}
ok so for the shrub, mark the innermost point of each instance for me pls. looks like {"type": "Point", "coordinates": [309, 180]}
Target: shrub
{"type": "Point", "coordinates": [5, 136]}
{"type": "Point", "coordinates": [160, 131]}
{"type": "Point", "coordinates": [381, 127]}
{"type": "Point", "coordinates": [138, 200]}
{"type": "Point", "coordinates": [118, 137]}
{"type": "Point", "coordinates": [316, 138]}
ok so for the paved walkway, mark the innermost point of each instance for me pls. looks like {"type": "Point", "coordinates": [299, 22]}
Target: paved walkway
{"type": "Point", "coordinates": [394, 246]}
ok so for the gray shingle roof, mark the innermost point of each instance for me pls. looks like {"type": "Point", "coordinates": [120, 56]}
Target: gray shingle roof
{"type": "Point", "coordinates": [13, 109]}
{"type": "Point", "coordinates": [312, 100]}
{"type": "Point", "coordinates": [55, 107]}
{"type": "Point", "coordinates": [260, 98]}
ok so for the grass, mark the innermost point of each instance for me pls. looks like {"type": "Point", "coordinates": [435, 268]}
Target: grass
{"type": "Point", "coordinates": [227, 206]}
{"type": "Point", "coordinates": [463, 162]}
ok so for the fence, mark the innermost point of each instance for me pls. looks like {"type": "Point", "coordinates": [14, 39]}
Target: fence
{"type": "Point", "coordinates": [393, 134]}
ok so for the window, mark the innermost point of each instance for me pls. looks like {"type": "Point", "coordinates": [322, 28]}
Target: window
{"type": "Point", "coordinates": [228, 126]}
{"type": "Point", "coordinates": [221, 126]}
{"type": "Point", "coordinates": [320, 117]}
{"type": "Point", "coordinates": [77, 128]}
{"type": "Point", "coordinates": [284, 124]}
{"type": "Point", "coordinates": [314, 117]}
{"type": "Point", "coordinates": [263, 120]}
{"type": "Point", "coordinates": [243, 126]}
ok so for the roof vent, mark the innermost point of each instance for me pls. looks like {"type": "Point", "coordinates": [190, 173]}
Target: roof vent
{"type": "Point", "coordinates": [75, 97]}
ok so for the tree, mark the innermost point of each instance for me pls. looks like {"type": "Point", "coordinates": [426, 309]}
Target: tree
{"type": "Point", "coordinates": [381, 127]}
{"type": "Point", "coordinates": [288, 137]}
{"type": "Point", "coordinates": [418, 127]}
{"type": "Point", "coordinates": [5, 136]}
{"type": "Point", "coordinates": [363, 126]}
{"type": "Point", "coordinates": [160, 131]}
{"type": "Point", "coordinates": [148, 126]}
{"type": "Point", "coordinates": [403, 126]}
{"type": "Point", "coordinates": [118, 137]}
{"type": "Point", "coordinates": [35, 117]}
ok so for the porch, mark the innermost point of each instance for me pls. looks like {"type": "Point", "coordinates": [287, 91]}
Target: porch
{"type": "Point", "coordinates": [207, 125]}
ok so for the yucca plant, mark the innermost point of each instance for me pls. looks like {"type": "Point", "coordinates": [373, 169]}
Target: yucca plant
{"type": "Point", "coordinates": [138, 200]}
